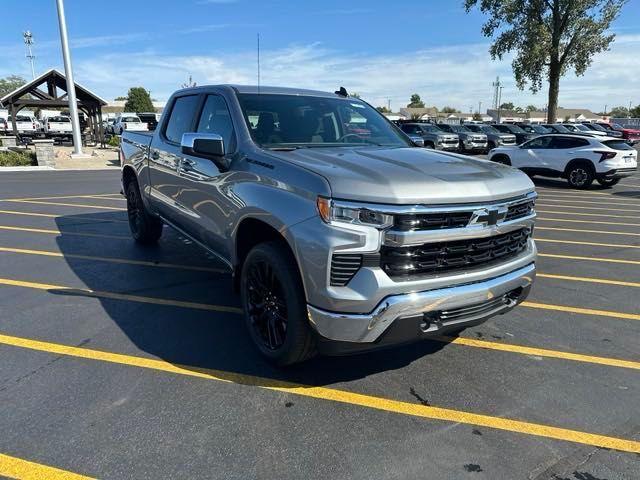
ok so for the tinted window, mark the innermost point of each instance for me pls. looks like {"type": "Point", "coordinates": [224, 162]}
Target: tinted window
{"type": "Point", "coordinates": [59, 119]}
{"type": "Point", "coordinates": [130, 120]}
{"type": "Point", "coordinates": [460, 129]}
{"type": "Point", "coordinates": [502, 128]}
{"type": "Point", "coordinates": [181, 118]}
{"type": "Point", "coordinates": [540, 142]}
{"type": "Point", "coordinates": [617, 145]}
{"type": "Point", "coordinates": [430, 128]}
{"type": "Point", "coordinates": [568, 142]}
{"type": "Point", "coordinates": [216, 118]}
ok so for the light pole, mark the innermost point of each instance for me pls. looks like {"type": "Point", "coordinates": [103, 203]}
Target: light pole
{"type": "Point", "coordinates": [28, 41]}
{"type": "Point", "coordinates": [71, 86]}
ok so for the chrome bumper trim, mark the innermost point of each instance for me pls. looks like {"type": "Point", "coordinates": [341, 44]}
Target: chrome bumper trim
{"type": "Point", "coordinates": [367, 328]}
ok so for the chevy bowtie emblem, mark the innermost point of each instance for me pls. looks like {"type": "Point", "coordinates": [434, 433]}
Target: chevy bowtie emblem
{"type": "Point", "coordinates": [488, 216]}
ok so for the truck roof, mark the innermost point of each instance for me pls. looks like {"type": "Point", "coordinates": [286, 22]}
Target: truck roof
{"type": "Point", "coordinates": [267, 90]}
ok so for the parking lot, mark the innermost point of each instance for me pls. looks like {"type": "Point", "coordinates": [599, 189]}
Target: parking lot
{"type": "Point", "coordinates": [118, 361]}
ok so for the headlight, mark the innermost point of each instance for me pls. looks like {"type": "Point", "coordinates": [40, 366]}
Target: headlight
{"type": "Point", "coordinates": [346, 212]}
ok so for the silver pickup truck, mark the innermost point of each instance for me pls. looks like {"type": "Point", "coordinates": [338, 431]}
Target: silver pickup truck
{"type": "Point", "coordinates": [340, 235]}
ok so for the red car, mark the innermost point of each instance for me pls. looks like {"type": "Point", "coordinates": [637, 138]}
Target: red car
{"type": "Point", "coordinates": [630, 134]}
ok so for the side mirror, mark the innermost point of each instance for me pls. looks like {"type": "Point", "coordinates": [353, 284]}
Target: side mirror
{"type": "Point", "coordinates": [206, 145]}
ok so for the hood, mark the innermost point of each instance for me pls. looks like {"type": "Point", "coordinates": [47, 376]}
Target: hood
{"type": "Point", "coordinates": [409, 175]}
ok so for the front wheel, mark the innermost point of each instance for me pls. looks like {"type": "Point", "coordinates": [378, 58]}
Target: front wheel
{"type": "Point", "coordinates": [580, 177]}
{"type": "Point", "coordinates": [145, 228]}
{"type": "Point", "coordinates": [608, 182]}
{"type": "Point", "coordinates": [275, 307]}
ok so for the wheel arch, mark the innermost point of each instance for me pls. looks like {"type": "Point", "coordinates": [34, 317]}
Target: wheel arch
{"type": "Point", "coordinates": [579, 161]}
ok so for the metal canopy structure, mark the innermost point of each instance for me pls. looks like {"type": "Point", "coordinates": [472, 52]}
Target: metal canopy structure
{"type": "Point", "coordinates": [49, 90]}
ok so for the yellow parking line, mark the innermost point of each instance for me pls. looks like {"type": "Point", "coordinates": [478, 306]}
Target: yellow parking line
{"type": "Point", "coordinates": [59, 232]}
{"type": "Point", "coordinates": [54, 197]}
{"type": "Point", "coordinates": [590, 259]}
{"type": "Point", "coordinates": [540, 352]}
{"type": "Point", "coordinates": [588, 221]}
{"type": "Point", "coordinates": [616, 198]}
{"type": "Point", "coordinates": [580, 207]}
{"type": "Point", "coordinates": [124, 261]}
{"type": "Point", "coordinates": [595, 244]}
{"type": "Point", "coordinates": [603, 281]}
{"type": "Point", "coordinates": [86, 292]}
{"type": "Point", "coordinates": [604, 232]}
{"type": "Point", "coordinates": [607, 202]}
{"type": "Point", "coordinates": [74, 217]}
{"type": "Point", "coordinates": [12, 467]}
{"type": "Point", "coordinates": [582, 311]}
{"type": "Point", "coordinates": [335, 395]}
{"type": "Point", "coordinates": [557, 212]}
{"type": "Point", "coordinates": [59, 204]}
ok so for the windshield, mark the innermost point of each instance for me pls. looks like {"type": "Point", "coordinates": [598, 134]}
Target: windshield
{"type": "Point", "coordinates": [431, 129]}
{"type": "Point", "coordinates": [59, 119]}
{"type": "Point", "coordinates": [617, 145]}
{"type": "Point", "coordinates": [516, 129]}
{"type": "Point", "coordinates": [306, 121]}
{"type": "Point", "coordinates": [581, 127]}
{"type": "Point", "coordinates": [488, 129]}
{"type": "Point", "coordinates": [595, 126]}
{"type": "Point", "coordinates": [460, 129]}
{"type": "Point", "coordinates": [558, 128]}
{"type": "Point", "coordinates": [539, 129]}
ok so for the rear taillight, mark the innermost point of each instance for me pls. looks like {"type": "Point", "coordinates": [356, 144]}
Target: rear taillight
{"type": "Point", "coordinates": [605, 155]}
{"type": "Point", "coordinates": [48, 125]}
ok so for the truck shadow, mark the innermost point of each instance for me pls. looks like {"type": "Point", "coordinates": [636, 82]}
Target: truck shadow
{"type": "Point", "coordinates": [204, 342]}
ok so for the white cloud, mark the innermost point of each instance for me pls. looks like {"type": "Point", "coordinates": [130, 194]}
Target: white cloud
{"type": "Point", "coordinates": [458, 76]}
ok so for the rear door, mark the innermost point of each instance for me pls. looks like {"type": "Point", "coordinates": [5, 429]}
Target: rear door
{"type": "Point", "coordinates": [562, 150]}
{"type": "Point", "coordinates": [531, 155]}
{"type": "Point", "coordinates": [165, 159]}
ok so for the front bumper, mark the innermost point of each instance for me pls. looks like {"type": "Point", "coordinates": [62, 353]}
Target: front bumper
{"type": "Point", "coordinates": [427, 313]}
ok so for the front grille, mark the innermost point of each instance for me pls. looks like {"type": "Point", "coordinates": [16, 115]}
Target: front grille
{"type": "Point", "coordinates": [520, 210]}
{"type": "Point", "coordinates": [343, 268]}
{"type": "Point", "coordinates": [431, 258]}
{"type": "Point", "coordinates": [432, 221]}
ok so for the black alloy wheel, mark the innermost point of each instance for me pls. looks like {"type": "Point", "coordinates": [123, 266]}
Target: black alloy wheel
{"type": "Point", "coordinates": [267, 309]}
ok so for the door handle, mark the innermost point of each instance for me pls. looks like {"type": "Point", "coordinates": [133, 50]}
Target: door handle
{"type": "Point", "coordinates": [187, 164]}
{"type": "Point", "coordinates": [155, 155]}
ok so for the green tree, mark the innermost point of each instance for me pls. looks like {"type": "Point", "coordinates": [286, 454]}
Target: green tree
{"type": "Point", "coordinates": [635, 112]}
{"type": "Point", "coordinates": [477, 116]}
{"type": "Point", "coordinates": [383, 109]}
{"type": "Point", "coordinates": [530, 108]}
{"type": "Point", "coordinates": [138, 100]}
{"type": "Point", "coordinates": [548, 37]}
{"type": "Point", "coordinates": [354, 95]}
{"type": "Point", "coordinates": [120, 99]}
{"type": "Point", "coordinates": [10, 83]}
{"type": "Point", "coordinates": [448, 110]}
{"type": "Point", "coordinates": [415, 101]}
{"type": "Point", "coordinates": [507, 106]}
{"type": "Point", "coordinates": [619, 112]}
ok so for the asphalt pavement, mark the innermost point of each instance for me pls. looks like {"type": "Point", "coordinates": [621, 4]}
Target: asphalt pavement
{"type": "Point", "coordinates": [119, 361]}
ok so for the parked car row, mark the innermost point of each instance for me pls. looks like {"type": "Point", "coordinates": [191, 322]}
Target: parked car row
{"type": "Point", "coordinates": [135, 122]}
{"type": "Point", "coordinates": [580, 159]}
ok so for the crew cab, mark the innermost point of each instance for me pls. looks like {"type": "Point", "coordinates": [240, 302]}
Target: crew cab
{"type": "Point", "coordinates": [338, 241]}
{"type": "Point", "coordinates": [520, 134]}
{"type": "Point", "coordinates": [129, 121]}
{"type": "Point", "coordinates": [495, 138]}
{"type": "Point", "coordinates": [578, 159]}
{"type": "Point", "coordinates": [26, 126]}
{"type": "Point", "coordinates": [469, 141]}
{"type": "Point", "coordinates": [433, 137]}
{"type": "Point", "coordinates": [57, 127]}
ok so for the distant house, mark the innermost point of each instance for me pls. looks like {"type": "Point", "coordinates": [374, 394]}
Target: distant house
{"type": "Point", "coordinates": [566, 115]}
{"type": "Point", "coordinates": [419, 113]}
{"type": "Point", "coordinates": [508, 116]}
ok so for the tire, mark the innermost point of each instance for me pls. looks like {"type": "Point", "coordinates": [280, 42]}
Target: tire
{"type": "Point", "coordinates": [145, 228]}
{"type": "Point", "coordinates": [503, 159]}
{"type": "Point", "coordinates": [608, 182]}
{"type": "Point", "coordinates": [429, 145]}
{"type": "Point", "coordinates": [580, 176]}
{"type": "Point", "coordinates": [275, 307]}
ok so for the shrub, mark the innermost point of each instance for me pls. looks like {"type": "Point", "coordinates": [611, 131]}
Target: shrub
{"type": "Point", "coordinates": [17, 159]}
{"type": "Point", "coordinates": [114, 141]}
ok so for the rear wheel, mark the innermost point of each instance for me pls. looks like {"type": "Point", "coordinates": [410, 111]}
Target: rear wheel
{"type": "Point", "coordinates": [608, 182]}
{"type": "Point", "coordinates": [145, 228]}
{"type": "Point", "coordinates": [429, 145]}
{"type": "Point", "coordinates": [504, 159]}
{"type": "Point", "coordinates": [580, 176]}
{"type": "Point", "coordinates": [275, 306]}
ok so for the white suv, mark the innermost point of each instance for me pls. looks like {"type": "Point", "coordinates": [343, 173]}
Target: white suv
{"type": "Point", "coordinates": [579, 159]}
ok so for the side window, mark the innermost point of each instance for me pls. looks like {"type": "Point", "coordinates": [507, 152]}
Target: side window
{"type": "Point", "coordinates": [181, 117]}
{"type": "Point", "coordinates": [566, 142]}
{"type": "Point", "coordinates": [540, 142]}
{"type": "Point", "coordinates": [216, 118]}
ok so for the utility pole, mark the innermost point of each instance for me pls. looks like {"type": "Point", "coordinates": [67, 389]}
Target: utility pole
{"type": "Point", "coordinates": [28, 41]}
{"type": "Point", "coordinates": [499, 103]}
{"type": "Point", "coordinates": [389, 104]}
{"type": "Point", "coordinates": [496, 92]}
{"type": "Point", "coordinates": [71, 86]}
{"type": "Point", "coordinates": [480, 107]}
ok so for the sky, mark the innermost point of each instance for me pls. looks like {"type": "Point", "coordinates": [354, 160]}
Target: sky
{"type": "Point", "coordinates": [383, 50]}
